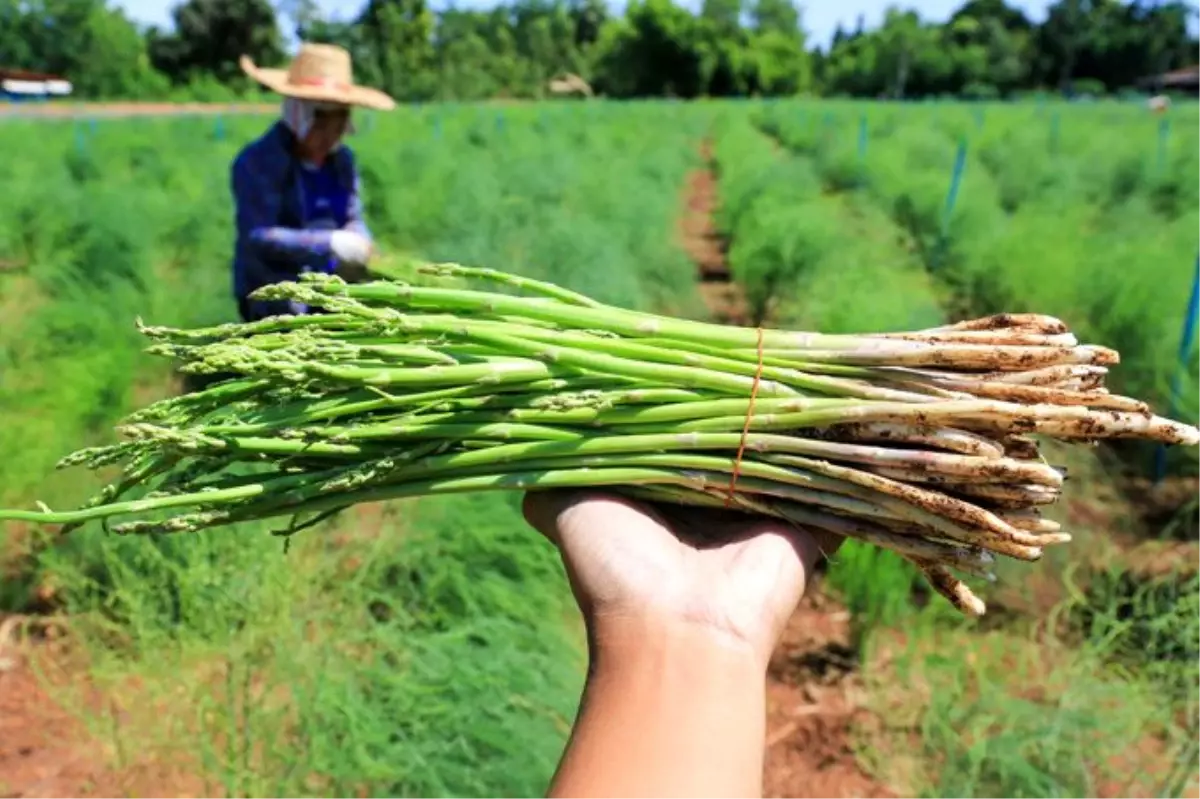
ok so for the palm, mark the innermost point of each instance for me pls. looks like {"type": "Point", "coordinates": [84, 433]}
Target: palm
{"type": "Point", "coordinates": [743, 580]}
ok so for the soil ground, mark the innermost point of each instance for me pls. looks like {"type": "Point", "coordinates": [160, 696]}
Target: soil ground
{"type": "Point", "coordinates": [814, 697]}
{"type": "Point", "coordinates": [45, 751]}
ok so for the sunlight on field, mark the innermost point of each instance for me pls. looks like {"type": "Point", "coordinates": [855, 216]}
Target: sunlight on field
{"type": "Point", "coordinates": [429, 647]}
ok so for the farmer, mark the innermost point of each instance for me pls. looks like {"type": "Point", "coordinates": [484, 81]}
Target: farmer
{"type": "Point", "coordinates": [296, 188]}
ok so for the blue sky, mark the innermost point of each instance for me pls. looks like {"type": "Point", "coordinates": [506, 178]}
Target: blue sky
{"type": "Point", "coordinates": [820, 17]}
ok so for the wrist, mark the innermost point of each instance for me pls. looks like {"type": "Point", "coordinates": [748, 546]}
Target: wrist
{"type": "Point", "coordinates": [679, 707]}
{"type": "Point", "coordinates": [669, 641]}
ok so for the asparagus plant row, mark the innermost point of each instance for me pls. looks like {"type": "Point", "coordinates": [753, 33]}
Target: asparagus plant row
{"type": "Point", "coordinates": [921, 442]}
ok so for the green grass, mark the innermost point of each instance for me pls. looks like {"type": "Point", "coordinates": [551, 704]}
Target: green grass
{"type": "Point", "coordinates": [1004, 714]}
{"type": "Point", "coordinates": [432, 647]}
{"type": "Point", "coordinates": [404, 663]}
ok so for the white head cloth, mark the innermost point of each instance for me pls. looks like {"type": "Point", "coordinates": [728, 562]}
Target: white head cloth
{"type": "Point", "coordinates": [298, 115]}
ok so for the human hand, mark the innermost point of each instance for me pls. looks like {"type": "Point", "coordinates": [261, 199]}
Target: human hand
{"type": "Point", "coordinates": [735, 578]}
{"type": "Point", "coordinates": [350, 247]}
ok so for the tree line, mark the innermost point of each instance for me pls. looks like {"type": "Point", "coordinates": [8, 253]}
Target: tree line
{"type": "Point", "coordinates": [656, 48]}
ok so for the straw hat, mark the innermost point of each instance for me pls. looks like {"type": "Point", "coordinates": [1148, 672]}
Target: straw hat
{"type": "Point", "coordinates": [320, 72]}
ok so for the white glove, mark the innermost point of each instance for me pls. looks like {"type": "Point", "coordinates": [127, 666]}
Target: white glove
{"type": "Point", "coordinates": [350, 247]}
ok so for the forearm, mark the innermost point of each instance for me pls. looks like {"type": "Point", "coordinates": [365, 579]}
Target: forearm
{"type": "Point", "coordinates": [257, 194]}
{"type": "Point", "coordinates": [355, 211]}
{"type": "Point", "coordinates": [669, 710]}
{"type": "Point", "coordinates": [293, 244]}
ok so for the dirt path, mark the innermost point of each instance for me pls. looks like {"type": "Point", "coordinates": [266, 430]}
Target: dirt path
{"type": "Point", "coordinates": [45, 750]}
{"type": "Point", "coordinates": [704, 244]}
{"type": "Point", "coordinates": [814, 693]}
{"type": "Point", "coordinates": [73, 110]}
{"type": "Point", "coordinates": [815, 697]}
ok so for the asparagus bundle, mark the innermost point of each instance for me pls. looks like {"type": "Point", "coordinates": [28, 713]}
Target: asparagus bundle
{"type": "Point", "coordinates": [918, 442]}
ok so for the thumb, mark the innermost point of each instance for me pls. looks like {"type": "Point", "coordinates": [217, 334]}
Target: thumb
{"type": "Point", "coordinates": [564, 515]}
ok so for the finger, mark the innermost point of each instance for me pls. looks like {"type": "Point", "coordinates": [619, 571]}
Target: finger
{"type": "Point", "coordinates": [697, 527]}
{"type": "Point", "coordinates": [544, 510]}
{"type": "Point", "coordinates": [806, 548]}
{"type": "Point", "coordinates": [827, 543]}
{"type": "Point", "coordinates": [559, 515]}
{"type": "Point", "coordinates": [812, 546]}
{"type": "Point", "coordinates": [587, 528]}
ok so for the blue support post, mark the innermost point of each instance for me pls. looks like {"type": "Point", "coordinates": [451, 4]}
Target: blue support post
{"type": "Point", "coordinates": [80, 138]}
{"type": "Point", "coordinates": [960, 164]}
{"type": "Point", "coordinates": [1164, 130]}
{"type": "Point", "coordinates": [1054, 125]}
{"type": "Point", "coordinates": [862, 137]}
{"type": "Point", "coordinates": [1185, 349]}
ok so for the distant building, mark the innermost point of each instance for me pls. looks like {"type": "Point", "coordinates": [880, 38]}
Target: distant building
{"type": "Point", "coordinates": [1180, 81]}
{"type": "Point", "coordinates": [570, 84]}
{"type": "Point", "coordinates": [17, 85]}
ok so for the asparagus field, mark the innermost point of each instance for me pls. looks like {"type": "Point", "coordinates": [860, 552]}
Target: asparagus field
{"type": "Point", "coordinates": [414, 643]}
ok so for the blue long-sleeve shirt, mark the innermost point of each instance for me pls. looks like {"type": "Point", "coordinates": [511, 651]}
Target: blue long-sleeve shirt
{"type": "Point", "coordinates": [274, 243]}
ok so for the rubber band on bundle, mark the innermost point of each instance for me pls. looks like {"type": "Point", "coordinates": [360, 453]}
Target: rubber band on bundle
{"type": "Point", "coordinates": [737, 461]}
